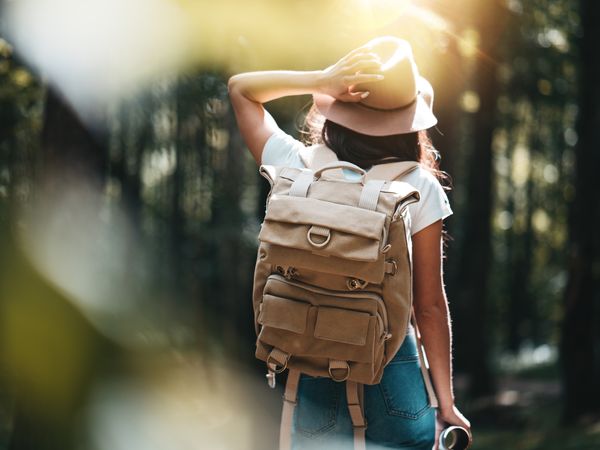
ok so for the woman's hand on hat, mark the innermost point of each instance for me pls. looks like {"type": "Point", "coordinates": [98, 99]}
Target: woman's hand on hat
{"type": "Point", "coordinates": [340, 79]}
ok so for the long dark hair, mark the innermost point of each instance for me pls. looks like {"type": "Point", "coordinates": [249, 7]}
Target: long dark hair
{"type": "Point", "coordinates": [365, 150]}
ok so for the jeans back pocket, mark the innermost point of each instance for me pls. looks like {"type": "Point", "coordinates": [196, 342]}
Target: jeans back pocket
{"type": "Point", "coordinates": [318, 403]}
{"type": "Point", "coordinates": [402, 385]}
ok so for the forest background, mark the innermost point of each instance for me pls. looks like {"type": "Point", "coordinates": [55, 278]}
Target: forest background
{"type": "Point", "coordinates": [129, 210]}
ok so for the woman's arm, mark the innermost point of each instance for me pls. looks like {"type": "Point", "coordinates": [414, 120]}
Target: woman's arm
{"type": "Point", "coordinates": [248, 91]}
{"type": "Point", "coordinates": [433, 318]}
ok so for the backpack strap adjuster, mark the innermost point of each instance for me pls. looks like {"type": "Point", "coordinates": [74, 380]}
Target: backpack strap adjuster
{"type": "Point", "coordinates": [391, 266]}
{"type": "Point", "coordinates": [277, 360]}
{"type": "Point", "coordinates": [335, 367]}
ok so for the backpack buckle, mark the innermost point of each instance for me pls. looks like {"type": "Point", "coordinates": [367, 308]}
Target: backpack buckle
{"type": "Point", "coordinates": [289, 272]}
{"type": "Point", "coordinates": [356, 283]}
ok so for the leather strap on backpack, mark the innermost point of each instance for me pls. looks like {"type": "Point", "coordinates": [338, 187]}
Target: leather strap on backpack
{"type": "Point", "coordinates": [355, 398]}
{"type": "Point", "coordinates": [289, 405]}
{"type": "Point", "coordinates": [369, 196]}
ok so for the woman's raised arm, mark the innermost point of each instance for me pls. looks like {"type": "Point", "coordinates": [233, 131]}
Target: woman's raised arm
{"type": "Point", "coordinates": [248, 91]}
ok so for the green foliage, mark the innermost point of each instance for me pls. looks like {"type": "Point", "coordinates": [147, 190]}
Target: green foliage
{"type": "Point", "coordinates": [21, 103]}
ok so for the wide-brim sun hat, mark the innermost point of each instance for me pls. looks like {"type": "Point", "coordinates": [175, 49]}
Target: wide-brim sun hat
{"type": "Point", "coordinates": [400, 103]}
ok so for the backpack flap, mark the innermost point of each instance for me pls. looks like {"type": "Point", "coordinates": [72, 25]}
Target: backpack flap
{"type": "Point", "coordinates": [320, 226]}
{"type": "Point", "coordinates": [315, 226]}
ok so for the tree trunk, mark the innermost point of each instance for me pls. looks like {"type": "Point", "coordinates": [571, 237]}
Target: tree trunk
{"type": "Point", "coordinates": [521, 303]}
{"type": "Point", "coordinates": [177, 216]}
{"type": "Point", "coordinates": [72, 152]}
{"type": "Point", "coordinates": [471, 325]}
{"type": "Point", "coordinates": [580, 346]}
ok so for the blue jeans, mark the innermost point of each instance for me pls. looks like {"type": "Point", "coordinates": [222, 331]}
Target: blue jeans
{"type": "Point", "coordinates": [397, 410]}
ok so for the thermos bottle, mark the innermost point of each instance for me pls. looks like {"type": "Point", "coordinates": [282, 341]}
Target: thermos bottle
{"type": "Point", "coordinates": [454, 438]}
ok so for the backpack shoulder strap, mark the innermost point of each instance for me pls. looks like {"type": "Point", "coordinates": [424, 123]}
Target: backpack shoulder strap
{"type": "Point", "coordinates": [391, 171]}
{"type": "Point", "coordinates": [316, 156]}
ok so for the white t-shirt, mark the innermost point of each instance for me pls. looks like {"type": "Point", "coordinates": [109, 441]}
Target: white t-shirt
{"type": "Point", "coordinates": [282, 149]}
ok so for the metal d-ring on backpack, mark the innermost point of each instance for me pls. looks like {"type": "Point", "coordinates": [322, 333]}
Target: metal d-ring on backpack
{"type": "Point", "coordinates": [333, 279]}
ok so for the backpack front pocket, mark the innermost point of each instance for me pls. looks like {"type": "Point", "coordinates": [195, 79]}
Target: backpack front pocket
{"type": "Point", "coordinates": [342, 325]}
{"type": "Point", "coordinates": [314, 326]}
{"type": "Point", "coordinates": [283, 314]}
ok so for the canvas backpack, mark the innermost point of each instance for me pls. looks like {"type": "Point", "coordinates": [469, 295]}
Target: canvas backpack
{"type": "Point", "coordinates": [333, 278]}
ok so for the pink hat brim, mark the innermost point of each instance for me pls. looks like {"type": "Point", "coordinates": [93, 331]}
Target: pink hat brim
{"type": "Point", "coordinates": [373, 122]}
